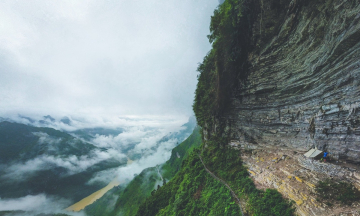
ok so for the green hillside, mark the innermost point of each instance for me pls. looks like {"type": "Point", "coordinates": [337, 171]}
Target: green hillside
{"type": "Point", "coordinates": [193, 191]}
{"type": "Point", "coordinates": [129, 198]}
{"type": "Point", "coordinates": [21, 143]}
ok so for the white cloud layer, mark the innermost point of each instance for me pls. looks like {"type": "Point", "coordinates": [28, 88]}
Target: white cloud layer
{"type": "Point", "coordinates": [83, 121]}
{"type": "Point", "coordinates": [33, 205]}
{"type": "Point", "coordinates": [147, 142]}
{"type": "Point", "coordinates": [139, 136]}
{"type": "Point", "coordinates": [126, 173]}
{"type": "Point", "coordinates": [73, 164]}
{"type": "Point", "coordinates": [96, 58]}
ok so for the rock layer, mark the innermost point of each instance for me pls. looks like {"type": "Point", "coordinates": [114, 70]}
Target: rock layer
{"type": "Point", "coordinates": [303, 88]}
{"type": "Point", "coordinates": [302, 91]}
{"type": "Point", "coordinates": [296, 177]}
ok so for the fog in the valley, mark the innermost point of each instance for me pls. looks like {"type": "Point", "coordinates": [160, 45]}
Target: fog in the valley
{"type": "Point", "coordinates": [144, 137]}
{"type": "Point", "coordinates": [151, 138]}
{"type": "Point", "coordinates": [120, 65]}
{"type": "Point", "coordinates": [36, 204]}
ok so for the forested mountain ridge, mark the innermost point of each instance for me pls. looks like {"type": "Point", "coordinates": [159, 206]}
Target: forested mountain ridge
{"type": "Point", "coordinates": [61, 167]}
{"type": "Point", "coordinates": [44, 160]}
{"type": "Point", "coordinates": [21, 142]}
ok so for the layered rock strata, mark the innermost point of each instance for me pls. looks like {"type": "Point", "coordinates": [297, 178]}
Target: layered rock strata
{"type": "Point", "coordinates": [303, 91]}
{"type": "Point", "coordinates": [296, 177]}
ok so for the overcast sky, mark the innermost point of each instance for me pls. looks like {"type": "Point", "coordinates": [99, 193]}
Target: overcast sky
{"type": "Point", "coordinates": [97, 57]}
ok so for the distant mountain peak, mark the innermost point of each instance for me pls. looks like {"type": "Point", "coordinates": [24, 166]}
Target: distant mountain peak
{"type": "Point", "coordinates": [48, 117]}
{"type": "Point", "coordinates": [65, 120]}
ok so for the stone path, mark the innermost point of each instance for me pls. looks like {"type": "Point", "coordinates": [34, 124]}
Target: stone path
{"type": "Point", "coordinates": [224, 183]}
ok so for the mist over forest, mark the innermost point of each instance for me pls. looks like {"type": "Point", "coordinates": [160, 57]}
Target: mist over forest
{"type": "Point", "coordinates": [92, 92]}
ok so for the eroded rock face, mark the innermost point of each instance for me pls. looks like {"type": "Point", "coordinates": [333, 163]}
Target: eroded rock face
{"type": "Point", "coordinates": [303, 89]}
{"type": "Point", "coordinates": [295, 177]}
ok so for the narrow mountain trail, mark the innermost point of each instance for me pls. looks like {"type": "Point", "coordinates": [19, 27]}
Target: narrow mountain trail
{"type": "Point", "coordinates": [224, 183]}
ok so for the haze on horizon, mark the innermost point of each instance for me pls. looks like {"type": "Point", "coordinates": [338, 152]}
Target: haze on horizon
{"type": "Point", "coordinates": [94, 57]}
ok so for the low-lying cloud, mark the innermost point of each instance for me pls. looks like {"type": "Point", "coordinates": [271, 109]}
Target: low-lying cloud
{"type": "Point", "coordinates": [73, 164]}
{"type": "Point", "coordinates": [150, 140]}
{"type": "Point", "coordinates": [145, 139]}
{"type": "Point", "coordinates": [127, 173]}
{"type": "Point", "coordinates": [36, 204]}
{"type": "Point", "coordinates": [81, 121]}
{"type": "Point", "coordinates": [130, 136]}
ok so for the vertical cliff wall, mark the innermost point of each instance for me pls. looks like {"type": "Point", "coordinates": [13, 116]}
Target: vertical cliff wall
{"type": "Point", "coordinates": [303, 86]}
{"type": "Point", "coordinates": [302, 91]}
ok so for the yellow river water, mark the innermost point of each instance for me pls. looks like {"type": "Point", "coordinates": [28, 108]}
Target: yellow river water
{"type": "Point", "coordinates": [95, 196]}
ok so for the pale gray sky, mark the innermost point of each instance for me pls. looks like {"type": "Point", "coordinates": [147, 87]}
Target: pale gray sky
{"type": "Point", "coordinates": [97, 57]}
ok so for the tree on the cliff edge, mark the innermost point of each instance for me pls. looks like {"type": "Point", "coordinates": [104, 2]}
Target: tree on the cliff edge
{"type": "Point", "coordinates": [226, 64]}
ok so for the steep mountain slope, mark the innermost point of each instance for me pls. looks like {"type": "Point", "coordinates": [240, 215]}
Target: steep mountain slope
{"type": "Point", "coordinates": [214, 182]}
{"type": "Point", "coordinates": [49, 164]}
{"type": "Point", "coordinates": [282, 79]}
{"type": "Point", "coordinates": [23, 142]}
{"type": "Point", "coordinates": [125, 200]}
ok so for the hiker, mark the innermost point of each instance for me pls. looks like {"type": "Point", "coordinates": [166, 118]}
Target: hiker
{"type": "Point", "coordinates": [325, 155]}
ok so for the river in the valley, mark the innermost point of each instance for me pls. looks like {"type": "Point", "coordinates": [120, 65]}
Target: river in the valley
{"type": "Point", "coordinates": [96, 195]}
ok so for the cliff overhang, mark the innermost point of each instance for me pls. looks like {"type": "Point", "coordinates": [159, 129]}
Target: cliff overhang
{"type": "Point", "coordinates": [301, 91]}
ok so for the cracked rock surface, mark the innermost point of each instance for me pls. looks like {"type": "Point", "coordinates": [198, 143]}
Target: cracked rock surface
{"type": "Point", "coordinates": [303, 89]}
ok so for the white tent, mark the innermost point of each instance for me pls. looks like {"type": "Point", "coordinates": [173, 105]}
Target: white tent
{"type": "Point", "coordinates": [312, 153]}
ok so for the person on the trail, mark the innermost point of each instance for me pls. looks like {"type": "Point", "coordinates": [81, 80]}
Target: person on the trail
{"type": "Point", "coordinates": [325, 154]}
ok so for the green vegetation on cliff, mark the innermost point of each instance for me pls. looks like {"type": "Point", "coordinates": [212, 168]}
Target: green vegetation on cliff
{"type": "Point", "coordinates": [126, 200]}
{"type": "Point", "coordinates": [226, 163]}
{"type": "Point", "coordinates": [332, 191]}
{"type": "Point", "coordinates": [193, 191]}
{"type": "Point", "coordinates": [180, 153]}
{"type": "Point", "coordinates": [225, 66]}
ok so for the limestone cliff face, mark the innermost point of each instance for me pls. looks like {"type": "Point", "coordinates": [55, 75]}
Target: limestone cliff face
{"type": "Point", "coordinates": [303, 91]}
